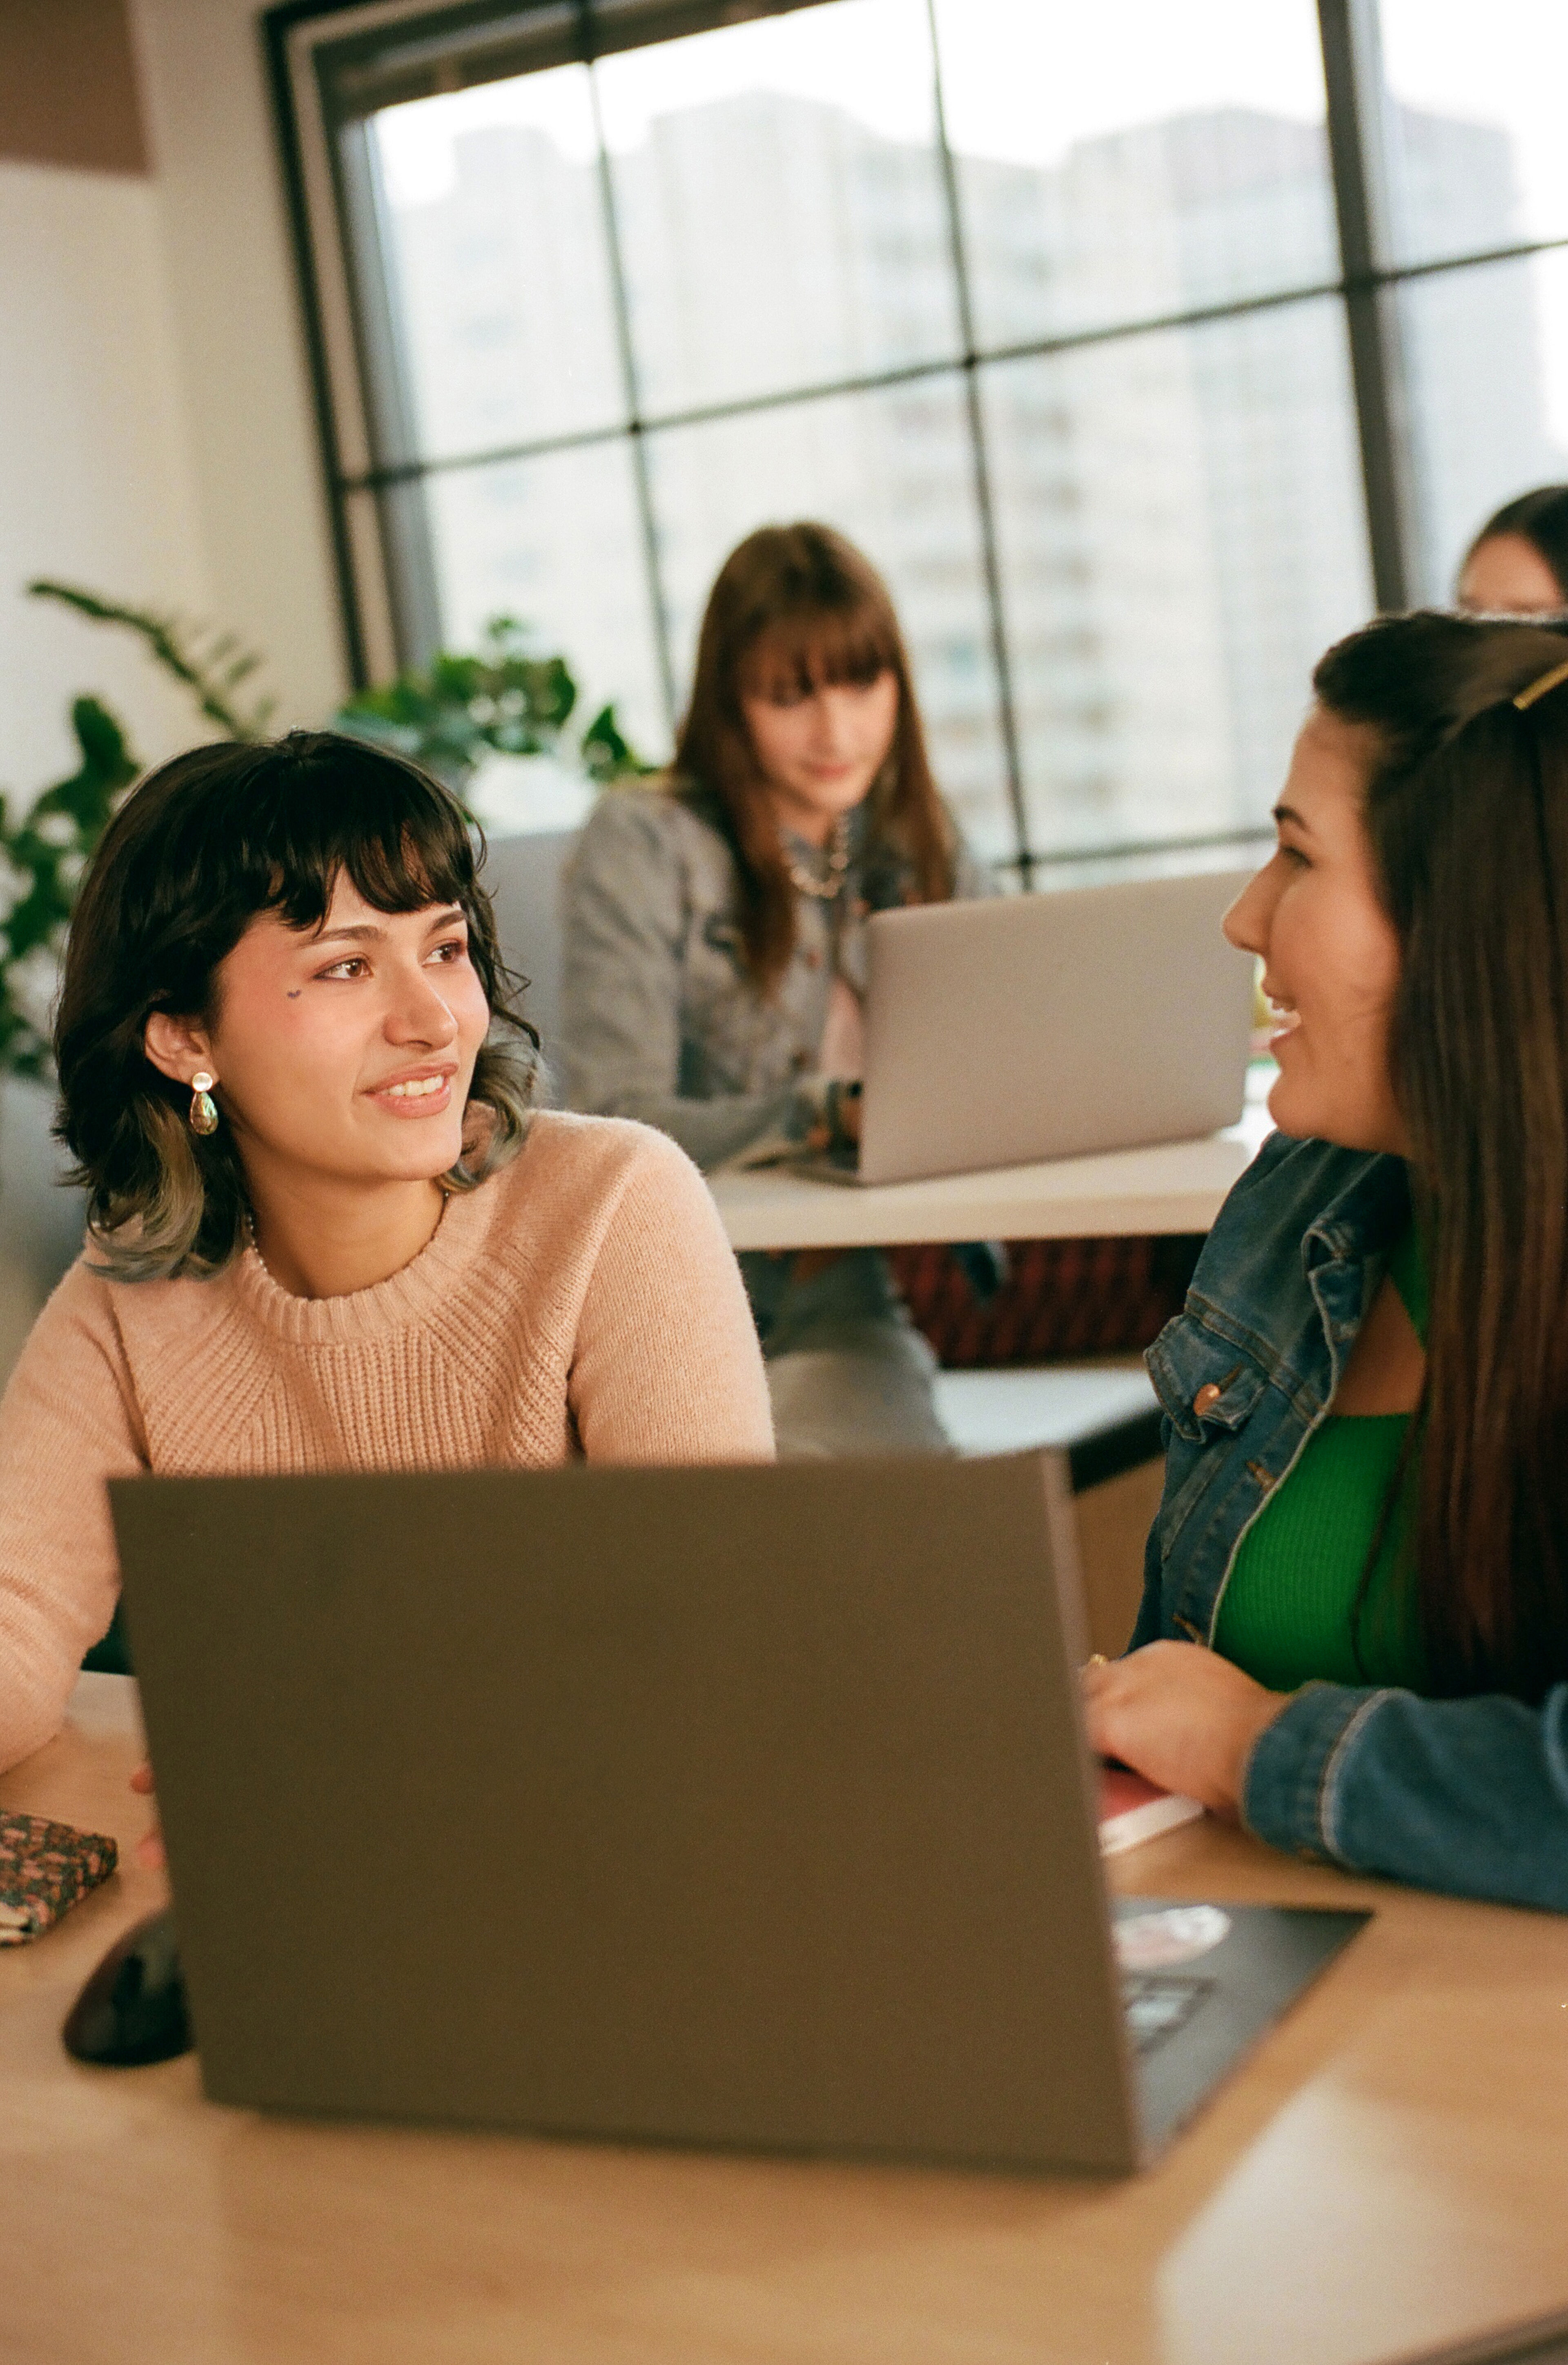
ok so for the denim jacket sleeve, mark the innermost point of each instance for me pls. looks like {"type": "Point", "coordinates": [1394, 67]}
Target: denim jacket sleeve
{"type": "Point", "coordinates": [1469, 1796]}
{"type": "Point", "coordinates": [625, 924]}
{"type": "Point", "coordinates": [1150, 1622]}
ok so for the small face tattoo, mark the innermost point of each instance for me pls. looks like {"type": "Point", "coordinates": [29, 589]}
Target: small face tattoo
{"type": "Point", "coordinates": [295, 993]}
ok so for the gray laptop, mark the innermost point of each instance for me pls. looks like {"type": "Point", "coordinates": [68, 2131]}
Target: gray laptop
{"type": "Point", "coordinates": [733, 1807]}
{"type": "Point", "coordinates": [1034, 1026]}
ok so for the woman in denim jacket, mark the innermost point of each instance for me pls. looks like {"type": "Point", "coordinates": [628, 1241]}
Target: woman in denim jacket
{"type": "Point", "coordinates": [1354, 1633]}
{"type": "Point", "coordinates": [715, 945]}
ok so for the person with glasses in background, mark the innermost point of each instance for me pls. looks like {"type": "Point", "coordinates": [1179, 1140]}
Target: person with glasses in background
{"type": "Point", "coordinates": [715, 945]}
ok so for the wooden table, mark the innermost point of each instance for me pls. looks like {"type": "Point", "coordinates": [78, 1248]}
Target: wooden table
{"type": "Point", "coordinates": [1175, 1188]}
{"type": "Point", "coordinates": [1386, 2176]}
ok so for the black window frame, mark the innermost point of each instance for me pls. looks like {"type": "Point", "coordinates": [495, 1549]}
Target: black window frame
{"type": "Point", "coordinates": [331, 63]}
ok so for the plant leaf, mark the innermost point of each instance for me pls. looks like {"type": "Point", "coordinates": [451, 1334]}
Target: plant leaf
{"type": "Point", "coordinates": [177, 647]}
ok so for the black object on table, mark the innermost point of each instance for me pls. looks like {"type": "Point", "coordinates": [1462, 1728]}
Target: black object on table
{"type": "Point", "coordinates": [132, 2010]}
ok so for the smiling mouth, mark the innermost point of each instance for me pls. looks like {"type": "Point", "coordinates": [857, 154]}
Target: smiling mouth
{"type": "Point", "coordinates": [426, 1094]}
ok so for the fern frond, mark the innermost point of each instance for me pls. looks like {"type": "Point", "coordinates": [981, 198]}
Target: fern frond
{"type": "Point", "coordinates": [190, 652]}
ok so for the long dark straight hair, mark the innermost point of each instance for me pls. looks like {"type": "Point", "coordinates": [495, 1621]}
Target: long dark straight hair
{"type": "Point", "coordinates": [1467, 815]}
{"type": "Point", "coordinates": [799, 604]}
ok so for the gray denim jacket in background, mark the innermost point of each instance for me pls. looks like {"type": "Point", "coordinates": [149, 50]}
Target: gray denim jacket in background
{"type": "Point", "coordinates": [1470, 1796]}
{"type": "Point", "coordinates": [661, 1019]}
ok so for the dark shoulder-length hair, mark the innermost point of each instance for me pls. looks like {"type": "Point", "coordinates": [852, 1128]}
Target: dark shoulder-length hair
{"type": "Point", "coordinates": [1540, 518]}
{"type": "Point", "coordinates": [1467, 815]}
{"type": "Point", "coordinates": [800, 605]}
{"type": "Point", "coordinates": [201, 847]}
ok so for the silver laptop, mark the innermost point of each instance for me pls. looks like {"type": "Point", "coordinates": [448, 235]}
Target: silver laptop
{"type": "Point", "coordinates": [731, 1806]}
{"type": "Point", "coordinates": [1050, 1025]}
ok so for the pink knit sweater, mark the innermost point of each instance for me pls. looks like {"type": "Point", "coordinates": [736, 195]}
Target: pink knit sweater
{"type": "Point", "coordinates": [584, 1300]}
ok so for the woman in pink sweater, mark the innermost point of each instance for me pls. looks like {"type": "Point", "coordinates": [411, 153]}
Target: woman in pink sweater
{"type": "Point", "coordinates": [326, 1232]}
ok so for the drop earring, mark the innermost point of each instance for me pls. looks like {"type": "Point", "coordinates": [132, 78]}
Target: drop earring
{"type": "Point", "coordinates": [204, 1108]}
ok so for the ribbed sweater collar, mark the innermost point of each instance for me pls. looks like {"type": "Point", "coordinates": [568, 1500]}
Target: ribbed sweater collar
{"type": "Point", "coordinates": [403, 1301]}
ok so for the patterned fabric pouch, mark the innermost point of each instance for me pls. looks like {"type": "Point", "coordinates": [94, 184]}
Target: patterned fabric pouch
{"type": "Point", "coordinates": [45, 1869]}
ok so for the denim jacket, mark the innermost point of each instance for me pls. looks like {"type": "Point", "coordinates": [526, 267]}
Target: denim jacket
{"type": "Point", "coordinates": [1470, 1796]}
{"type": "Point", "coordinates": [661, 1020]}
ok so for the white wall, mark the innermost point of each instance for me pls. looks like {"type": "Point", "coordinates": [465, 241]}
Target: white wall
{"type": "Point", "coordinates": [95, 485]}
{"type": "Point", "coordinates": [238, 342]}
{"type": "Point", "coordinates": [156, 443]}
{"type": "Point", "coordinates": [156, 436]}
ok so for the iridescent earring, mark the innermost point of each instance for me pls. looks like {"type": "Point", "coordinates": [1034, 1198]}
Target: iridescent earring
{"type": "Point", "coordinates": [204, 1108]}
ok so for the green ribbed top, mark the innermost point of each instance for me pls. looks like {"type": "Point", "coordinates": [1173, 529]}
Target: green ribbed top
{"type": "Point", "coordinates": [1286, 1615]}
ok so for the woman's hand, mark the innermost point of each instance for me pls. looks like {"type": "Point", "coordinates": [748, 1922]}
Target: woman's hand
{"type": "Point", "coordinates": [1180, 1716]}
{"type": "Point", "coordinates": [839, 1126]}
{"type": "Point", "coordinates": [150, 1848]}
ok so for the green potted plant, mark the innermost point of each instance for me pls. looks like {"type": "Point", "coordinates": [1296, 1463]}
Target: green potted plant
{"type": "Point", "coordinates": [504, 699]}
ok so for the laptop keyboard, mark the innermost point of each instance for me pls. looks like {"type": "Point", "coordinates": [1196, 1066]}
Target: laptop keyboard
{"type": "Point", "coordinates": [1156, 2005]}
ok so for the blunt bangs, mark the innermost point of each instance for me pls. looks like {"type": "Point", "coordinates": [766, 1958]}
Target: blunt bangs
{"type": "Point", "coordinates": [796, 609]}
{"type": "Point", "coordinates": [817, 649]}
{"type": "Point", "coordinates": [325, 807]}
{"type": "Point", "coordinates": [202, 847]}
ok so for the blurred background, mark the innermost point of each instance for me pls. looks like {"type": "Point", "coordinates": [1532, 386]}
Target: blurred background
{"type": "Point", "coordinates": [1143, 350]}
{"type": "Point", "coordinates": [417, 361]}
{"type": "Point", "coordinates": [1045, 306]}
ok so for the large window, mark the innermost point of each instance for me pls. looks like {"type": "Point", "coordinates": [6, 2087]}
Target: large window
{"type": "Point", "coordinates": [1145, 350]}
{"type": "Point", "coordinates": [1478, 166]}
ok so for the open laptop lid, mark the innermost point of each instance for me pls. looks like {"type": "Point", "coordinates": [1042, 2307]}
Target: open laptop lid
{"type": "Point", "coordinates": [737, 1807]}
{"type": "Point", "coordinates": [1052, 1025]}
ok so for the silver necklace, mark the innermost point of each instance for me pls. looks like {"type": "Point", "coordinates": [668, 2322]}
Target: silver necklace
{"type": "Point", "coordinates": [822, 890]}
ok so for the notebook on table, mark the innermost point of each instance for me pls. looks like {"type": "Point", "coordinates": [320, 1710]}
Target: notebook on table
{"type": "Point", "coordinates": [1132, 1810]}
{"type": "Point", "coordinates": [737, 1807]}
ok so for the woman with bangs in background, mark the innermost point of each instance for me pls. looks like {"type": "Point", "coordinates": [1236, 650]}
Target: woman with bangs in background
{"type": "Point", "coordinates": [715, 957]}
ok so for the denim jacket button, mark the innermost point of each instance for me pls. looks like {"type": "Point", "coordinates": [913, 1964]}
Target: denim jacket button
{"type": "Point", "coordinates": [1207, 1399]}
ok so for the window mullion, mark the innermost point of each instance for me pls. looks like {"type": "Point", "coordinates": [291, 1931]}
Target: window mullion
{"type": "Point", "coordinates": [657, 604]}
{"type": "Point", "coordinates": [1352, 74]}
{"type": "Point", "coordinates": [979, 458]}
{"type": "Point", "coordinates": [406, 543]}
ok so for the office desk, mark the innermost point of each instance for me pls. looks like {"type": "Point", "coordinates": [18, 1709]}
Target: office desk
{"type": "Point", "coordinates": [1175, 1188]}
{"type": "Point", "coordinates": [1385, 2176]}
